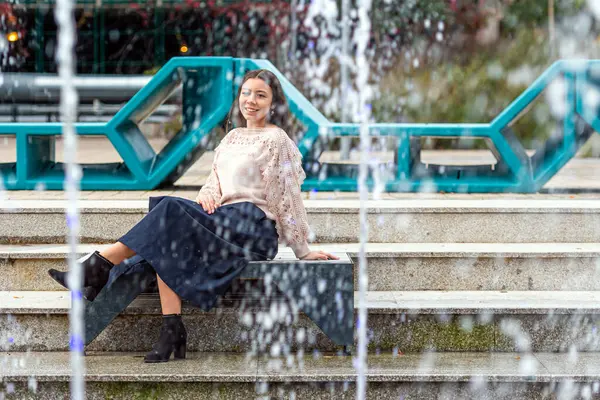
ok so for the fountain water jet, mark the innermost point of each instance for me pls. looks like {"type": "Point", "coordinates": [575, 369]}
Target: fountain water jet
{"type": "Point", "coordinates": [68, 110]}
{"type": "Point", "coordinates": [362, 35]}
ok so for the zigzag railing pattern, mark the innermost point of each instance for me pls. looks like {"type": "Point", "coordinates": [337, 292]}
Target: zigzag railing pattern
{"type": "Point", "coordinates": [209, 84]}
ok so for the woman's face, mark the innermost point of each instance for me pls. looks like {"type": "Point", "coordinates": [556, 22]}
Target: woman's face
{"type": "Point", "coordinates": [255, 101]}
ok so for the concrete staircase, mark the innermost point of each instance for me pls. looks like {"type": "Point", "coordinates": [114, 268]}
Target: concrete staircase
{"type": "Point", "coordinates": [489, 298]}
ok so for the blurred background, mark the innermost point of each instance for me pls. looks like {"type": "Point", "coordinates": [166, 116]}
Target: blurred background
{"type": "Point", "coordinates": [454, 61]}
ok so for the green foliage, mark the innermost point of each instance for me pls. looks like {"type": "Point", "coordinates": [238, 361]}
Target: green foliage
{"type": "Point", "coordinates": [475, 92]}
{"type": "Point", "coordinates": [399, 25]}
{"type": "Point", "coordinates": [152, 71]}
{"type": "Point", "coordinates": [531, 13]}
{"type": "Point", "coordinates": [390, 15]}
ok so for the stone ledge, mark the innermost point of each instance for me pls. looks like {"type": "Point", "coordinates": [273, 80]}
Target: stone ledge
{"type": "Point", "coordinates": [336, 206]}
{"type": "Point", "coordinates": [190, 190]}
{"type": "Point", "coordinates": [381, 302]}
{"type": "Point", "coordinates": [391, 266]}
{"type": "Point", "coordinates": [383, 250]}
{"type": "Point", "coordinates": [240, 330]}
{"type": "Point", "coordinates": [401, 222]}
{"type": "Point", "coordinates": [224, 367]}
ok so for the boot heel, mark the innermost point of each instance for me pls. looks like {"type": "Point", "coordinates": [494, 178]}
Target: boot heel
{"type": "Point", "coordinates": [173, 339]}
{"type": "Point", "coordinates": [179, 351]}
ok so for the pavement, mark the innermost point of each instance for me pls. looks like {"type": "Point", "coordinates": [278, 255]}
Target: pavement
{"type": "Point", "coordinates": [210, 367]}
{"type": "Point", "coordinates": [580, 178]}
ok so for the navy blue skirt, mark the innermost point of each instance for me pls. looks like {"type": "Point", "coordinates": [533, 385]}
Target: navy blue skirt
{"type": "Point", "coordinates": [198, 254]}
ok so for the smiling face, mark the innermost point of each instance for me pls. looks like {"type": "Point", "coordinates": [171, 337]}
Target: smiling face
{"type": "Point", "coordinates": [255, 102]}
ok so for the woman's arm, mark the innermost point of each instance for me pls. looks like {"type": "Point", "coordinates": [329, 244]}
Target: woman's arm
{"type": "Point", "coordinates": [284, 176]}
{"type": "Point", "coordinates": [210, 194]}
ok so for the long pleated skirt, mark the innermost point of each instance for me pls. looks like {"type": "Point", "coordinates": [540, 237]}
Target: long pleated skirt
{"type": "Point", "coordinates": [199, 254]}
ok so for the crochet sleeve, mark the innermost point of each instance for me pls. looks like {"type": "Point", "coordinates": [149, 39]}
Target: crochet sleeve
{"type": "Point", "coordinates": [284, 176]}
{"type": "Point", "coordinates": [212, 187]}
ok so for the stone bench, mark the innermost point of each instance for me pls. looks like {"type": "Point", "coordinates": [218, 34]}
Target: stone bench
{"type": "Point", "coordinates": [323, 290]}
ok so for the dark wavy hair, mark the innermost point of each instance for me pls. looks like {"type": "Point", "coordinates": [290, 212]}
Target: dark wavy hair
{"type": "Point", "coordinates": [280, 115]}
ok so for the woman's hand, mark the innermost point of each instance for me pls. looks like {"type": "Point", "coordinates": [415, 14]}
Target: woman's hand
{"type": "Point", "coordinates": [319, 255]}
{"type": "Point", "coordinates": [207, 203]}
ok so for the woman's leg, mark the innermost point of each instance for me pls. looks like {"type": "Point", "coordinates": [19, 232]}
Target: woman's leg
{"type": "Point", "coordinates": [117, 253]}
{"type": "Point", "coordinates": [169, 301]}
{"type": "Point", "coordinates": [173, 336]}
{"type": "Point", "coordinates": [96, 268]}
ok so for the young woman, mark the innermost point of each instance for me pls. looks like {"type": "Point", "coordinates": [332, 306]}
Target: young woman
{"type": "Point", "coordinates": [250, 201]}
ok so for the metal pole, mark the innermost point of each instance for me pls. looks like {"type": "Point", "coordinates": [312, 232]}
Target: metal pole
{"type": "Point", "coordinates": [159, 35]}
{"type": "Point", "coordinates": [344, 56]}
{"type": "Point", "coordinates": [39, 37]}
{"type": "Point", "coordinates": [102, 60]}
{"type": "Point", "coordinates": [551, 25]}
{"type": "Point", "coordinates": [293, 30]}
{"type": "Point", "coordinates": [97, 39]}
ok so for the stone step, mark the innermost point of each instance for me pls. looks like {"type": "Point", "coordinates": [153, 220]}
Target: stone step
{"type": "Point", "coordinates": [333, 221]}
{"type": "Point", "coordinates": [391, 266]}
{"type": "Point", "coordinates": [409, 321]}
{"type": "Point", "coordinates": [514, 376]}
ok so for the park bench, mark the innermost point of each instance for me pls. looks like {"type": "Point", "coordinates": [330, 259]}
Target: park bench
{"type": "Point", "coordinates": [323, 290]}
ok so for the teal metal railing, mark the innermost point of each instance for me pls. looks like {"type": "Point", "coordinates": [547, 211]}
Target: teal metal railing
{"type": "Point", "coordinates": [209, 84]}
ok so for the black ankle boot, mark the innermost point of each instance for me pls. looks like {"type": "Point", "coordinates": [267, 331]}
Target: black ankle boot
{"type": "Point", "coordinates": [173, 339]}
{"type": "Point", "coordinates": [96, 270]}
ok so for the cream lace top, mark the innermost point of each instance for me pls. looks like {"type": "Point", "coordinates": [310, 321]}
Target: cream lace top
{"type": "Point", "coordinates": [262, 166]}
